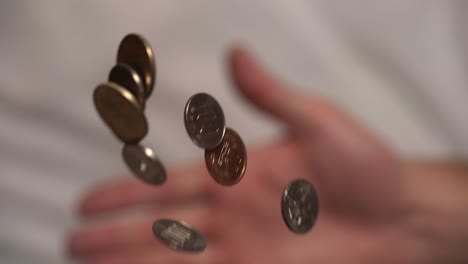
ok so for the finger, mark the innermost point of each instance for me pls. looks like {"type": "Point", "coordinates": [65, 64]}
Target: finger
{"type": "Point", "coordinates": [265, 91]}
{"type": "Point", "coordinates": [111, 237]}
{"type": "Point", "coordinates": [132, 235]}
{"type": "Point", "coordinates": [182, 184]}
{"type": "Point", "coordinates": [150, 256]}
{"type": "Point", "coordinates": [294, 107]}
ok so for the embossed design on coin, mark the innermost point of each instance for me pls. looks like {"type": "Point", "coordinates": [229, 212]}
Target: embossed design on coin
{"type": "Point", "coordinates": [204, 121]}
{"type": "Point", "coordinates": [128, 78]}
{"type": "Point", "coordinates": [143, 162]}
{"type": "Point", "coordinates": [134, 50]}
{"type": "Point", "coordinates": [179, 236]}
{"type": "Point", "coordinates": [299, 206]}
{"type": "Point", "coordinates": [227, 162]}
{"type": "Point", "coordinates": [121, 112]}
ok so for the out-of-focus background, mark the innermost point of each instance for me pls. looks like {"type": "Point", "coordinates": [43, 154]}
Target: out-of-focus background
{"type": "Point", "coordinates": [400, 67]}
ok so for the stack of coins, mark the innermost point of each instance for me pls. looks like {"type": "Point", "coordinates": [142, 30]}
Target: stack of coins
{"type": "Point", "coordinates": [121, 102]}
{"type": "Point", "coordinates": [225, 154]}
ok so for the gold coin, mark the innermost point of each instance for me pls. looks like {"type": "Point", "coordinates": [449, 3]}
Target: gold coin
{"type": "Point", "coordinates": [120, 110]}
{"type": "Point", "coordinates": [128, 78]}
{"type": "Point", "coordinates": [135, 51]}
{"type": "Point", "coordinates": [227, 162]}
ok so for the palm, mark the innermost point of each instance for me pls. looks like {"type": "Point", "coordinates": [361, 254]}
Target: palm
{"type": "Point", "coordinates": [357, 180]}
{"type": "Point", "coordinates": [248, 216]}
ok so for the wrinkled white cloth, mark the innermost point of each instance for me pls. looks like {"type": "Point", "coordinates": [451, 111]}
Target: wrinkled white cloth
{"type": "Point", "coordinates": [397, 66]}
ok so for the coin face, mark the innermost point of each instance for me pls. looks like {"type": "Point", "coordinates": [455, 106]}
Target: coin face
{"type": "Point", "coordinates": [227, 162]}
{"type": "Point", "coordinates": [299, 206]}
{"type": "Point", "coordinates": [204, 121]}
{"type": "Point", "coordinates": [128, 78]}
{"type": "Point", "coordinates": [121, 112]}
{"type": "Point", "coordinates": [143, 162]}
{"type": "Point", "coordinates": [135, 51]}
{"type": "Point", "coordinates": [179, 236]}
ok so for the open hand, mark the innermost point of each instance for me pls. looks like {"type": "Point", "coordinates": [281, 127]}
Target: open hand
{"type": "Point", "coordinates": [365, 211]}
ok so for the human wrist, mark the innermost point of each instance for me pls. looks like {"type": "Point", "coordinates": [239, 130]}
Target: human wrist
{"type": "Point", "coordinates": [437, 194]}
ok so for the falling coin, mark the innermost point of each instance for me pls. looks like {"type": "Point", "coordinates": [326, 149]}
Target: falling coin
{"type": "Point", "coordinates": [135, 51]}
{"type": "Point", "coordinates": [143, 162]}
{"type": "Point", "coordinates": [299, 206]}
{"type": "Point", "coordinates": [120, 110]}
{"type": "Point", "coordinates": [204, 121]}
{"type": "Point", "coordinates": [128, 78]}
{"type": "Point", "coordinates": [179, 236]}
{"type": "Point", "coordinates": [227, 162]}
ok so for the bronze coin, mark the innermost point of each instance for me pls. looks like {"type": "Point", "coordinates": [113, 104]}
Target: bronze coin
{"type": "Point", "coordinates": [128, 78]}
{"type": "Point", "coordinates": [299, 206]}
{"type": "Point", "coordinates": [120, 110]}
{"type": "Point", "coordinates": [134, 50]}
{"type": "Point", "coordinates": [227, 162]}
{"type": "Point", "coordinates": [204, 121]}
{"type": "Point", "coordinates": [142, 161]}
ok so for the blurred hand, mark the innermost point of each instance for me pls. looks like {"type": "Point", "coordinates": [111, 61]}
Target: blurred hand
{"type": "Point", "coordinates": [371, 208]}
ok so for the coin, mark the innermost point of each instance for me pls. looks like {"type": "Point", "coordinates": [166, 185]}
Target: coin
{"type": "Point", "coordinates": [227, 162]}
{"type": "Point", "coordinates": [120, 110]}
{"type": "Point", "coordinates": [134, 50]}
{"type": "Point", "coordinates": [299, 206]}
{"type": "Point", "coordinates": [179, 236]}
{"type": "Point", "coordinates": [128, 78]}
{"type": "Point", "coordinates": [143, 162]}
{"type": "Point", "coordinates": [204, 121]}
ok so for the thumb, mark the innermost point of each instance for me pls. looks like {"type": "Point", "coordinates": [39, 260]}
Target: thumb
{"type": "Point", "coordinates": [265, 91]}
{"type": "Point", "coordinates": [349, 162]}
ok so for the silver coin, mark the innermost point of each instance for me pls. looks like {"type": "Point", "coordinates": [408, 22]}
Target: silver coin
{"type": "Point", "coordinates": [179, 236]}
{"type": "Point", "coordinates": [204, 121]}
{"type": "Point", "coordinates": [128, 78]}
{"type": "Point", "coordinates": [299, 206]}
{"type": "Point", "coordinates": [143, 162]}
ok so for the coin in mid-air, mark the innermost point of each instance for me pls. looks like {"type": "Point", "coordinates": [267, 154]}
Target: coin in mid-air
{"type": "Point", "coordinates": [204, 121]}
{"type": "Point", "coordinates": [179, 236]}
{"type": "Point", "coordinates": [299, 206]}
{"type": "Point", "coordinates": [227, 162]}
{"type": "Point", "coordinates": [143, 162]}
{"type": "Point", "coordinates": [128, 78]}
{"type": "Point", "coordinates": [135, 50]}
{"type": "Point", "coordinates": [120, 110]}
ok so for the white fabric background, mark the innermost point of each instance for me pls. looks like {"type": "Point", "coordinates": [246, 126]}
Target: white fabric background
{"type": "Point", "coordinates": [397, 66]}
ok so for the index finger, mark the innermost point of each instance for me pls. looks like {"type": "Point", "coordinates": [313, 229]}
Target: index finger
{"type": "Point", "coordinates": [182, 184]}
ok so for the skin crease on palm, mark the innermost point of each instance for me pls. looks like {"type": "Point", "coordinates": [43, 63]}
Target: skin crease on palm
{"type": "Point", "coordinates": [374, 207]}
